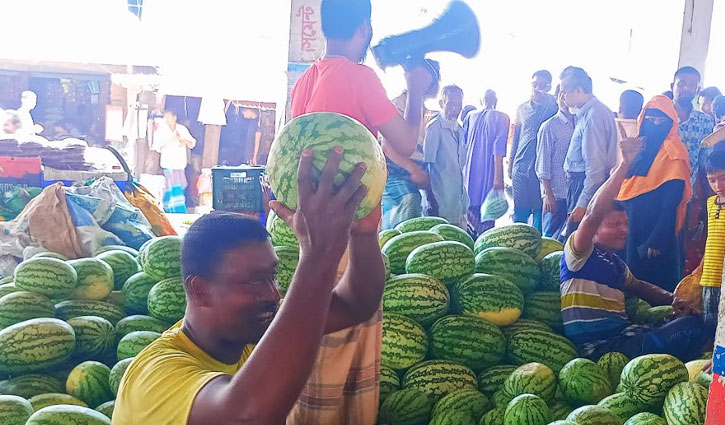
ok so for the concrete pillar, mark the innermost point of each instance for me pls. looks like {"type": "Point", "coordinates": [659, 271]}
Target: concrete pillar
{"type": "Point", "coordinates": [212, 134]}
{"type": "Point", "coordinates": [695, 39]}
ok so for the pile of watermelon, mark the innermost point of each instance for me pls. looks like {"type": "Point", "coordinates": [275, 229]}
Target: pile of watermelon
{"type": "Point", "coordinates": [70, 328]}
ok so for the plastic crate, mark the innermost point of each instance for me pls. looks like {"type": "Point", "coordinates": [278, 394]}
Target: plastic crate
{"type": "Point", "coordinates": [237, 189]}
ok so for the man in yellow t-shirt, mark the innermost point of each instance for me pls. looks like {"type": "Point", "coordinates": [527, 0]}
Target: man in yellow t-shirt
{"type": "Point", "coordinates": [203, 371]}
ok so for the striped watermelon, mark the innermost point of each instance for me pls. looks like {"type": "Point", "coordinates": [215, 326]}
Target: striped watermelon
{"type": "Point", "coordinates": [417, 296]}
{"type": "Point", "coordinates": [30, 385]}
{"type": "Point", "coordinates": [645, 418]}
{"type": "Point", "coordinates": [694, 368]}
{"type": "Point", "coordinates": [531, 345]}
{"type": "Point", "coordinates": [470, 341]}
{"type": "Point", "coordinates": [527, 409]}
{"type": "Point", "coordinates": [559, 410]}
{"type": "Point", "coordinates": [167, 300]}
{"type": "Point", "coordinates": [49, 254]}
{"type": "Point", "coordinates": [621, 405]}
{"type": "Point", "coordinates": [117, 371]}
{"type": "Point", "coordinates": [279, 232]}
{"type": "Point", "coordinates": [8, 288]}
{"type": "Point", "coordinates": [685, 404]}
{"type": "Point", "coordinates": [42, 401]}
{"type": "Point", "coordinates": [20, 306]}
{"type": "Point", "coordinates": [518, 236]}
{"type": "Point", "coordinates": [493, 417]}
{"type": "Point", "coordinates": [124, 265]}
{"type": "Point", "coordinates": [14, 410]}
{"type": "Point", "coordinates": [321, 132]}
{"type": "Point", "coordinates": [452, 418]}
{"type": "Point", "coordinates": [548, 246]}
{"type": "Point", "coordinates": [399, 247]}
{"type": "Point", "coordinates": [46, 276]}
{"type": "Point", "coordinates": [593, 415]}
{"type": "Point", "coordinates": [655, 316]}
{"type": "Point", "coordinates": [511, 264]}
{"type": "Point", "coordinates": [389, 382]}
{"type": "Point", "coordinates": [436, 378]}
{"type": "Point", "coordinates": [583, 382]}
{"type": "Point", "coordinates": [551, 271]}
{"type": "Point", "coordinates": [531, 378]}
{"type": "Point", "coordinates": [95, 337]}
{"type": "Point", "coordinates": [524, 324]}
{"type": "Point", "coordinates": [469, 402]}
{"type": "Point", "coordinates": [544, 307]}
{"type": "Point", "coordinates": [95, 279]}
{"type": "Point", "coordinates": [419, 223]}
{"type": "Point", "coordinates": [162, 258]}
{"type": "Point", "coordinates": [404, 342]}
{"type": "Point", "coordinates": [493, 378]}
{"type": "Point", "coordinates": [133, 343]}
{"type": "Point", "coordinates": [35, 345]}
{"type": "Point", "coordinates": [142, 251]}
{"type": "Point", "coordinates": [73, 308]}
{"type": "Point", "coordinates": [490, 297]}
{"type": "Point", "coordinates": [501, 398]}
{"type": "Point", "coordinates": [136, 293]}
{"type": "Point", "coordinates": [406, 407]}
{"type": "Point", "coordinates": [288, 257]}
{"type": "Point", "coordinates": [612, 365]}
{"type": "Point", "coordinates": [648, 378]}
{"type": "Point", "coordinates": [446, 261]}
{"type": "Point", "coordinates": [76, 415]}
{"type": "Point", "coordinates": [89, 382]}
{"type": "Point", "coordinates": [562, 422]}
{"type": "Point", "coordinates": [386, 235]}
{"type": "Point", "coordinates": [450, 232]}
{"type": "Point", "coordinates": [139, 322]}
{"type": "Point", "coordinates": [107, 408]}
{"type": "Point", "coordinates": [386, 265]}
{"type": "Point", "coordinates": [118, 248]}
{"type": "Point", "coordinates": [115, 298]}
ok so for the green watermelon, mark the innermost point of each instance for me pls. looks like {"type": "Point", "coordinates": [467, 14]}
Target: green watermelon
{"type": "Point", "coordinates": [493, 378]}
{"type": "Point", "coordinates": [544, 307]}
{"type": "Point", "coordinates": [162, 258]}
{"type": "Point", "coordinates": [95, 337]}
{"type": "Point", "coordinates": [621, 405]}
{"type": "Point", "coordinates": [75, 415]}
{"type": "Point", "coordinates": [417, 296]}
{"type": "Point", "coordinates": [501, 398]}
{"type": "Point", "coordinates": [493, 417]}
{"type": "Point", "coordinates": [551, 271]}
{"type": "Point", "coordinates": [136, 293]}
{"type": "Point", "coordinates": [648, 378]}
{"type": "Point", "coordinates": [386, 235]}
{"type": "Point", "coordinates": [446, 261]}
{"type": "Point", "coordinates": [133, 343]}
{"type": "Point", "coordinates": [117, 248]}
{"type": "Point", "coordinates": [452, 418]}
{"type": "Point", "coordinates": [107, 408]}
{"type": "Point", "coordinates": [593, 415]}
{"type": "Point", "coordinates": [95, 279]}
{"type": "Point", "coordinates": [532, 345]}
{"type": "Point", "coordinates": [694, 368]}
{"type": "Point", "coordinates": [559, 410]}
{"type": "Point", "coordinates": [419, 223]}
{"type": "Point", "coordinates": [511, 264]}
{"type": "Point", "coordinates": [562, 422]}
{"type": "Point", "coordinates": [686, 404]}
{"type": "Point", "coordinates": [30, 385]}
{"type": "Point", "coordinates": [406, 407]}
{"type": "Point", "coordinates": [583, 382]}
{"type": "Point", "coordinates": [518, 236]}
{"type": "Point", "coordinates": [470, 402]}
{"type": "Point", "coordinates": [404, 342]}
{"type": "Point", "coordinates": [490, 297]}
{"type": "Point", "coordinates": [124, 265]}
{"type": "Point", "coordinates": [645, 418]}
{"type": "Point", "coordinates": [6, 279]}
{"type": "Point", "coordinates": [42, 401]}
{"type": "Point", "coordinates": [531, 378]}
{"type": "Point", "coordinates": [35, 345]}
{"type": "Point", "coordinates": [139, 323]}
{"type": "Point", "coordinates": [399, 247]}
{"type": "Point", "coordinates": [73, 308]}
{"type": "Point", "coordinates": [450, 232]}
{"type": "Point", "coordinates": [279, 232]}
{"type": "Point", "coordinates": [389, 382]}
{"type": "Point", "coordinates": [470, 341]}
{"type": "Point", "coordinates": [89, 382]}
{"type": "Point", "coordinates": [48, 254]}
{"type": "Point", "coordinates": [527, 409]}
{"type": "Point", "coordinates": [117, 371]}
{"type": "Point", "coordinates": [14, 410]}
{"type": "Point", "coordinates": [524, 324]}
{"type": "Point", "coordinates": [288, 257]}
{"type": "Point", "coordinates": [167, 300]}
{"type": "Point", "coordinates": [8, 288]}
{"type": "Point", "coordinates": [46, 276]}
{"type": "Point", "coordinates": [115, 298]}
{"type": "Point", "coordinates": [321, 132]}
{"type": "Point", "coordinates": [386, 265]}
{"type": "Point", "coordinates": [436, 378]}
{"type": "Point", "coordinates": [655, 316]}
{"type": "Point", "coordinates": [20, 306]}
{"type": "Point", "coordinates": [548, 246]}
{"type": "Point", "coordinates": [612, 364]}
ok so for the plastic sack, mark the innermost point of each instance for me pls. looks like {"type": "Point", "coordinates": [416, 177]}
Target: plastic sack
{"type": "Point", "coordinates": [494, 206]}
{"type": "Point", "coordinates": [689, 289]}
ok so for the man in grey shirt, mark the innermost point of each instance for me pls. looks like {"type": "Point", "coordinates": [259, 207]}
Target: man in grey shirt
{"type": "Point", "coordinates": [593, 149]}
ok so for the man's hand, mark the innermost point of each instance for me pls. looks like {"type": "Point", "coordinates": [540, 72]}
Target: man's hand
{"type": "Point", "coordinates": [419, 80]}
{"type": "Point", "coordinates": [498, 185]}
{"type": "Point", "coordinates": [549, 203]}
{"type": "Point", "coordinates": [419, 177]}
{"type": "Point", "coordinates": [708, 367]}
{"type": "Point", "coordinates": [577, 215]}
{"type": "Point", "coordinates": [652, 253]}
{"type": "Point", "coordinates": [682, 307]}
{"type": "Point", "coordinates": [368, 224]}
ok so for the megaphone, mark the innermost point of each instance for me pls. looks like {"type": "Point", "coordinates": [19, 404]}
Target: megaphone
{"type": "Point", "coordinates": [456, 30]}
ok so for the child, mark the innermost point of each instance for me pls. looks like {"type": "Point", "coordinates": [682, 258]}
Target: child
{"type": "Point", "coordinates": [715, 246]}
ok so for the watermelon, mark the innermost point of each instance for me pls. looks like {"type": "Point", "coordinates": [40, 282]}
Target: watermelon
{"type": "Point", "coordinates": [490, 297]}
{"type": "Point", "coordinates": [95, 279]}
{"type": "Point", "coordinates": [95, 337]}
{"type": "Point", "coordinates": [75, 415]}
{"type": "Point", "coordinates": [115, 298]}
{"type": "Point", "coordinates": [511, 264]}
{"type": "Point", "coordinates": [389, 382]}
{"type": "Point", "coordinates": [694, 368]}
{"type": "Point", "coordinates": [593, 415]}
{"type": "Point", "coordinates": [14, 410]}
{"type": "Point", "coordinates": [133, 343]}
{"type": "Point", "coordinates": [73, 308]}
{"type": "Point", "coordinates": [386, 265]}
{"type": "Point", "coordinates": [645, 418]}
{"type": "Point", "coordinates": [527, 409]}
{"type": "Point", "coordinates": [436, 378]}
{"type": "Point", "coordinates": [686, 404]}
{"type": "Point", "coordinates": [167, 300]}
{"type": "Point", "coordinates": [162, 258]}
{"type": "Point", "coordinates": [452, 418]}
{"type": "Point", "coordinates": [493, 417]}
{"type": "Point", "coordinates": [648, 378]}
{"type": "Point", "coordinates": [518, 236]}
{"type": "Point", "coordinates": [107, 408]}
{"type": "Point", "coordinates": [493, 378]}
{"type": "Point", "coordinates": [524, 324]}
{"type": "Point", "coordinates": [124, 265]}
{"type": "Point", "coordinates": [583, 382]}
{"type": "Point", "coordinates": [49, 254]}
{"type": "Point", "coordinates": [117, 371]}
{"type": "Point", "coordinates": [532, 345]}
{"type": "Point", "coordinates": [544, 307]}
{"type": "Point", "coordinates": [89, 382]}
{"type": "Point", "coordinates": [562, 422]}
{"type": "Point", "coordinates": [470, 402]}
{"type": "Point", "coordinates": [446, 261]}
{"type": "Point", "coordinates": [406, 407]}
{"type": "Point", "coordinates": [621, 405]}
{"type": "Point", "coordinates": [417, 296]}
{"type": "Point", "coordinates": [419, 223]}
{"type": "Point", "coordinates": [551, 271]}
{"type": "Point", "coordinates": [30, 385]}
{"type": "Point", "coordinates": [548, 246]}
{"type": "Point", "coordinates": [142, 251]}
{"type": "Point", "coordinates": [501, 398]}
{"type": "Point", "coordinates": [321, 132]}
{"type": "Point", "coordinates": [531, 378]}
{"type": "Point", "coordinates": [35, 345]}
{"type": "Point", "coordinates": [559, 410]}
{"type": "Point", "coordinates": [470, 341]}
{"type": "Point", "coordinates": [139, 322]}
{"type": "Point", "coordinates": [279, 232]}
{"type": "Point", "coordinates": [136, 292]}
{"type": "Point", "coordinates": [386, 235]}
{"type": "Point", "coordinates": [20, 306]}
{"type": "Point", "coordinates": [612, 364]}
{"type": "Point", "coordinates": [42, 401]}
{"type": "Point", "coordinates": [399, 247]}
{"type": "Point", "coordinates": [450, 232]}
{"type": "Point", "coordinates": [118, 248]}
{"type": "Point", "coordinates": [655, 316]}
{"type": "Point", "coordinates": [288, 257]}
{"type": "Point", "coordinates": [404, 342]}
{"type": "Point", "coordinates": [8, 288]}
{"type": "Point", "coordinates": [46, 276]}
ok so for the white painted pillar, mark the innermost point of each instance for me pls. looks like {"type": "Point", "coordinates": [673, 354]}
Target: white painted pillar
{"type": "Point", "coordinates": [695, 39]}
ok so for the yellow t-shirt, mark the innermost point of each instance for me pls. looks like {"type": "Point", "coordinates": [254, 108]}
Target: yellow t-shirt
{"type": "Point", "coordinates": [712, 263]}
{"type": "Point", "coordinates": [161, 384]}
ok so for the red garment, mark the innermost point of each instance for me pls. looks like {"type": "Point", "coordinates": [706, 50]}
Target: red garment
{"type": "Point", "coordinates": [716, 401]}
{"type": "Point", "coordinates": [342, 86]}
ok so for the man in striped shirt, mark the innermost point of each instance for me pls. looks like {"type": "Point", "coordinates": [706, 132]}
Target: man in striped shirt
{"type": "Point", "coordinates": [595, 281]}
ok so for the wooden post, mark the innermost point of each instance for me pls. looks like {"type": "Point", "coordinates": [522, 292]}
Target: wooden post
{"type": "Point", "coordinates": [212, 134]}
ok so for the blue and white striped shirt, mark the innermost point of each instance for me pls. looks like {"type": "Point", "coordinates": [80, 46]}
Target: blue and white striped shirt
{"type": "Point", "coordinates": [551, 147]}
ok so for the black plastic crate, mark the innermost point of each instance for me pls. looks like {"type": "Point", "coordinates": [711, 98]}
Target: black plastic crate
{"type": "Point", "coordinates": [237, 189]}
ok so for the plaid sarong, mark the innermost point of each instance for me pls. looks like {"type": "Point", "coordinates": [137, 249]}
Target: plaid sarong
{"type": "Point", "coordinates": [174, 199]}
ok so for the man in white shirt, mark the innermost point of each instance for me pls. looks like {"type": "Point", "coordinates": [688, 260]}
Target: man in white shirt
{"type": "Point", "coordinates": [172, 141]}
{"type": "Point", "coordinates": [28, 101]}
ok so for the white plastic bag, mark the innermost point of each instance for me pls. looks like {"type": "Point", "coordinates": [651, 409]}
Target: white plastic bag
{"type": "Point", "coordinates": [494, 206]}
